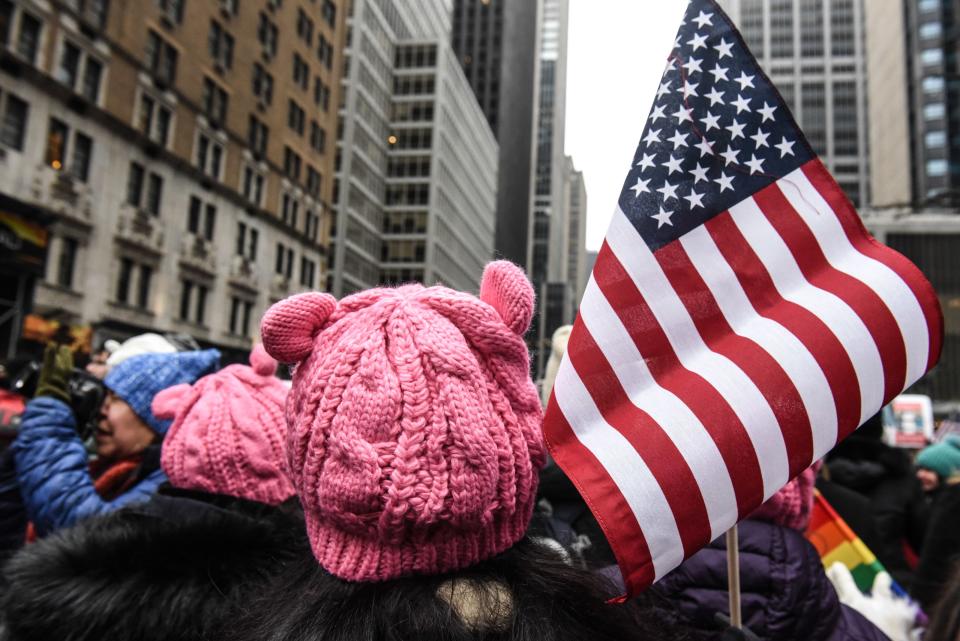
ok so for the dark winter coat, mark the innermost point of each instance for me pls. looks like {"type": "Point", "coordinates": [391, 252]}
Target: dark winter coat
{"type": "Point", "coordinates": [178, 567]}
{"type": "Point", "coordinates": [53, 474]}
{"type": "Point", "coordinates": [886, 477]}
{"type": "Point", "coordinates": [941, 548]}
{"type": "Point", "coordinates": [785, 592]}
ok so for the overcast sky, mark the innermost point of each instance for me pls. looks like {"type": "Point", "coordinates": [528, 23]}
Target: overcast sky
{"type": "Point", "coordinates": [617, 52]}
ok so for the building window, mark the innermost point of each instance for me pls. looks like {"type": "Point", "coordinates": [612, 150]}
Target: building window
{"type": "Point", "coordinates": [240, 312]}
{"type": "Point", "coordinates": [936, 168]}
{"type": "Point", "coordinates": [214, 102]}
{"type": "Point", "coordinates": [154, 119]}
{"type": "Point", "coordinates": [308, 272]}
{"type": "Point", "coordinates": [80, 71]}
{"type": "Point", "coordinates": [304, 27]}
{"type": "Point", "coordinates": [172, 10]}
{"type": "Point", "coordinates": [411, 85]}
{"type": "Point", "coordinates": [262, 84]}
{"type": "Point", "coordinates": [258, 135]}
{"type": "Point", "coordinates": [811, 28]}
{"type": "Point", "coordinates": [209, 156]}
{"type": "Point", "coordinates": [193, 301]}
{"type": "Point", "coordinates": [201, 218]}
{"type": "Point", "coordinates": [130, 270]}
{"type": "Point", "coordinates": [414, 139]}
{"type": "Point", "coordinates": [312, 225]}
{"type": "Point", "coordinates": [13, 129]}
{"type": "Point", "coordinates": [318, 137]}
{"type": "Point", "coordinates": [253, 182]}
{"type": "Point", "coordinates": [321, 94]}
{"type": "Point", "coordinates": [313, 182]}
{"type": "Point", "coordinates": [284, 262]}
{"type": "Point", "coordinates": [842, 28]}
{"type": "Point", "coordinates": [935, 140]}
{"type": "Point", "coordinates": [267, 35]}
{"type": "Point", "coordinates": [136, 179]}
{"type": "Point", "coordinates": [928, 5]}
{"type": "Point", "coordinates": [247, 240]}
{"type": "Point", "coordinates": [67, 262]}
{"type": "Point", "coordinates": [28, 41]}
{"type": "Point", "coordinates": [92, 11]}
{"type": "Point", "coordinates": [813, 98]}
{"type": "Point", "coordinates": [325, 52]}
{"type": "Point", "coordinates": [291, 164]}
{"type": "Point", "coordinates": [781, 28]}
{"type": "Point", "coordinates": [934, 111]}
{"type": "Point", "coordinates": [329, 13]}
{"type": "Point", "coordinates": [57, 137]}
{"type": "Point", "coordinates": [931, 56]}
{"type": "Point", "coordinates": [296, 117]}
{"type": "Point", "coordinates": [301, 72]}
{"type": "Point", "coordinates": [161, 59]}
{"type": "Point", "coordinates": [846, 129]}
{"type": "Point", "coordinates": [933, 84]}
{"type": "Point", "coordinates": [289, 209]}
{"type": "Point", "coordinates": [58, 145]}
{"type": "Point", "coordinates": [220, 45]}
{"type": "Point", "coordinates": [930, 30]}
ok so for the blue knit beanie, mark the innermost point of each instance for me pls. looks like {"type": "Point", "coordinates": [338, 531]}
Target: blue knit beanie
{"type": "Point", "coordinates": [138, 379]}
{"type": "Point", "coordinates": [942, 458]}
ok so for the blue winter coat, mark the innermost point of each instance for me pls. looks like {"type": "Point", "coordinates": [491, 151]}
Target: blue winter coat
{"type": "Point", "coordinates": [52, 469]}
{"type": "Point", "coordinates": [785, 593]}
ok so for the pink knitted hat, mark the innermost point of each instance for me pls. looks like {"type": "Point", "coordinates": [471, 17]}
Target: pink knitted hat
{"type": "Point", "coordinates": [228, 432]}
{"type": "Point", "coordinates": [791, 506]}
{"type": "Point", "coordinates": [414, 429]}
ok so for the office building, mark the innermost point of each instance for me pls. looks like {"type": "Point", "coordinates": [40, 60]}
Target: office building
{"type": "Point", "coordinates": [814, 52]}
{"type": "Point", "coordinates": [170, 157]}
{"type": "Point", "coordinates": [417, 160]}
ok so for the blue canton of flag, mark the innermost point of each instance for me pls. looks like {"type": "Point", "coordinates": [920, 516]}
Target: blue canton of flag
{"type": "Point", "coordinates": [718, 130]}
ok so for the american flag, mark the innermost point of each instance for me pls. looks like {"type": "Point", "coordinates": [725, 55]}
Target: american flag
{"type": "Point", "coordinates": [739, 320]}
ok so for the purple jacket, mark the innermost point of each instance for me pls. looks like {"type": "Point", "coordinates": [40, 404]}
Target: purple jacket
{"type": "Point", "coordinates": [785, 591]}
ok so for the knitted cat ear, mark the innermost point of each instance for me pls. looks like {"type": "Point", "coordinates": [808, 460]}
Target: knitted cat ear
{"type": "Point", "coordinates": [505, 287]}
{"type": "Point", "coordinates": [289, 327]}
{"type": "Point", "coordinates": [168, 402]}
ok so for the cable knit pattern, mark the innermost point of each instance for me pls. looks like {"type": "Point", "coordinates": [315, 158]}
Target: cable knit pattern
{"type": "Point", "coordinates": [228, 432]}
{"type": "Point", "coordinates": [414, 429]}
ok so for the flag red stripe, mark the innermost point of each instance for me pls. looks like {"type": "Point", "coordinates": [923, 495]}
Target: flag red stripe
{"type": "Point", "coordinates": [603, 497]}
{"type": "Point", "coordinates": [765, 372]}
{"type": "Point", "coordinates": [817, 270]}
{"type": "Point", "coordinates": [646, 436]}
{"type": "Point", "coordinates": [713, 411]}
{"type": "Point", "coordinates": [822, 344]}
{"type": "Point", "coordinates": [820, 178]}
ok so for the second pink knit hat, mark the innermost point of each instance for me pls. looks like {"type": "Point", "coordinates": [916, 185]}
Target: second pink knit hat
{"type": "Point", "coordinates": [228, 432]}
{"type": "Point", "coordinates": [414, 428]}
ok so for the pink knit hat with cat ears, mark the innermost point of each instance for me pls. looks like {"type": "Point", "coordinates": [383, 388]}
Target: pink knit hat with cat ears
{"type": "Point", "coordinates": [228, 432]}
{"type": "Point", "coordinates": [414, 429]}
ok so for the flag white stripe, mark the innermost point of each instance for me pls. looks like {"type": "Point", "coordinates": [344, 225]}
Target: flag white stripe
{"type": "Point", "coordinates": [843, 256]}
{"type": "Point", "coordinates": [678, 421]}
{"type": "Point", "coordinates": [789, 351]}
{"type": "Point", "coordinates": [627, 470]}
{"type": "Point", "coordinates": [746, 400]}
{"type": "Point", "coordinates": [791, 284]}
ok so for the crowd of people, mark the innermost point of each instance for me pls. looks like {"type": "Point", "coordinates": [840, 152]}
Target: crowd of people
{"type": "Point", "coordinates": [398, 488]}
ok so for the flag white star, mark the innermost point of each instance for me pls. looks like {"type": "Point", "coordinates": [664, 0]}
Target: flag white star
{"type": "Point", "coordinates": [745, 81]}
{"type": "Point", "coordinates": [698, 41]}
{"type": "Point", "coordinates": [693, 66]}
{"type": "Point", "coordinates": [760, 139]}
{"type": "Point", "coordinates": [720, 73]}
{"type": "Point", "coordinates": [695, 199]}
{"type": "Point", "coordinates": [703, 19]}
{"type": "Point", "coordinates": [724, 49]}
{"type": "Point", "coordinates": [676, 43]}
{"type": "Point", "coordinates": [657, 113]}
{"type": "Point", "coordinates": [755, 164]}
{"type": "Point", "coordinates": [653, 136]}
{"type": "Point", "coordinates": [678, 139]}
{"type": "Point", "coordinates": [664, 88]}
{"type": "Point", "coordinates": [711, 121]}
{"type": "Point", "coordinates": [669, 191]}
{"type": "Point", "coordinates": [641, 187]}
{"type": "Point", "coordinates": [674, 165]}
{"type": "Point", "coordinates": [683, 114]}
{"type": "Point", "coordinates": [736, 130]}
{"type": "Point", "coordinates": [742, 104]}
{"type": "Point", "coordinates": [699, 173]}
{"type": "Point", "coordinates": [690, 88]}
{"type": "Point", "coordinates": [725, 182]}
{"type": "Point", "coordinates": [705, 148]}
{"type": "Point", "coordinates": [767, 112]}
{"type": "Point", "coordinates": [663, 218]}
{"type": "Point", "coordinates": [715, 97]}
{"type": "Point", "coordinates": [646, 162]}
{"type": "Point", "coordinates": [730, 155]}
{"type": "Point", "coordinates": [786, 148]}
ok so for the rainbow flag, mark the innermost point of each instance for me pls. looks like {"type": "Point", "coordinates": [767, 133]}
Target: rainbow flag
{"type": "Point", "coordinates": [836, 542]}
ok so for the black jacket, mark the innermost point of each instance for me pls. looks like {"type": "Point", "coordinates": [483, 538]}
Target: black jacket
{"type": "Point", "coordinates": [941, 548]}
{"type": "Point", "coordinates": [178, 567]}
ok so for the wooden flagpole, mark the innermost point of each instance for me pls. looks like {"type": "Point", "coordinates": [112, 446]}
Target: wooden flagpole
{"type": "Point", "coordinates": [733, 577]}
